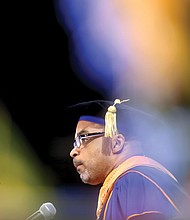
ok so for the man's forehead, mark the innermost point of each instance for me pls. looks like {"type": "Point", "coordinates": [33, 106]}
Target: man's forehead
{"type": "Point", "coordinates": [87, 125]}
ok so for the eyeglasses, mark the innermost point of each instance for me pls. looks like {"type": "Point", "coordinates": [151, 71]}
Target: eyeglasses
{"type": "Point", "coordinates": [85, 137]}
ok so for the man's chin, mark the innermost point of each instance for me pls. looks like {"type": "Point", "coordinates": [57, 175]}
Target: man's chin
{"type": "Point", "coordinates": [84, 178]}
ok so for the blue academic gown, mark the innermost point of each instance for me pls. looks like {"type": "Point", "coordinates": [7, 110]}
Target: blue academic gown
{"type": "Point", "coordinates": [143, 193]}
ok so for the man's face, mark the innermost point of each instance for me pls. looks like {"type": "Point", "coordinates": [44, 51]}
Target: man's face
{"type": "Point", "coordinates": [91, 157]}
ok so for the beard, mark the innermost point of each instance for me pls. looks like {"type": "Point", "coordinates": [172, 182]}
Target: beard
{"type": "Point", "coordinates": [85, 176]}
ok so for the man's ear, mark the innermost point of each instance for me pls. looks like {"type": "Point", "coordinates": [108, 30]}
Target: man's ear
{"type": "Point", "coordinates": [118, 142]}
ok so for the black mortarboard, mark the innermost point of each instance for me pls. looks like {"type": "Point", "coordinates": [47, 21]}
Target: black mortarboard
{"type": "Point", "coordinates": [118, 117]}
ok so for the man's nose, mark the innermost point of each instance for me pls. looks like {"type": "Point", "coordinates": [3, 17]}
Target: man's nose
{"type": "Point", "coordinates": [74, 152]}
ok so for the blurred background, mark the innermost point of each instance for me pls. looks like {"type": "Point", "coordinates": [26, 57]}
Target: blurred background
{"type": "Point", "coordinates": [56, 53]}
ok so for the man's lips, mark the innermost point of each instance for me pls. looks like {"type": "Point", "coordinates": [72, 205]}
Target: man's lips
{"type": "Point", "coordinates": [76, 163]}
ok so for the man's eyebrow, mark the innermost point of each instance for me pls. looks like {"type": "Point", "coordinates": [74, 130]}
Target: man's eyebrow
{"type": "Point", "coordinates": [83, 131]}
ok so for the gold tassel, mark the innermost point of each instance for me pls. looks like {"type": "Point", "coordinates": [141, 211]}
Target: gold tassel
{"type": "Point", "coordinates": [110, 119]}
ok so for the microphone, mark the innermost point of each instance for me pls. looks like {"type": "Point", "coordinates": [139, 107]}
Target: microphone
{"type": "Point", "coordinates": [46, 211]}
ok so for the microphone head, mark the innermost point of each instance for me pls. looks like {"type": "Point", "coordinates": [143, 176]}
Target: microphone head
{"type": "Point", "coordinates": [47, 210]}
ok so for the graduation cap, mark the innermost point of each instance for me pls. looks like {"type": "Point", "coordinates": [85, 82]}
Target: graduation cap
{"type": "Point", "coordinates": [117, 116]}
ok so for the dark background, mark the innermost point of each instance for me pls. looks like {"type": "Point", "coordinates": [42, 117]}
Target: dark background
{"type": "Point", "coordinates": [38, 81]}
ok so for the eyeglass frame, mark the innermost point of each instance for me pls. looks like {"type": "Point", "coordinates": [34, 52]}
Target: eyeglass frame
{"type": "Point", "coordinates": [78, 140]}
